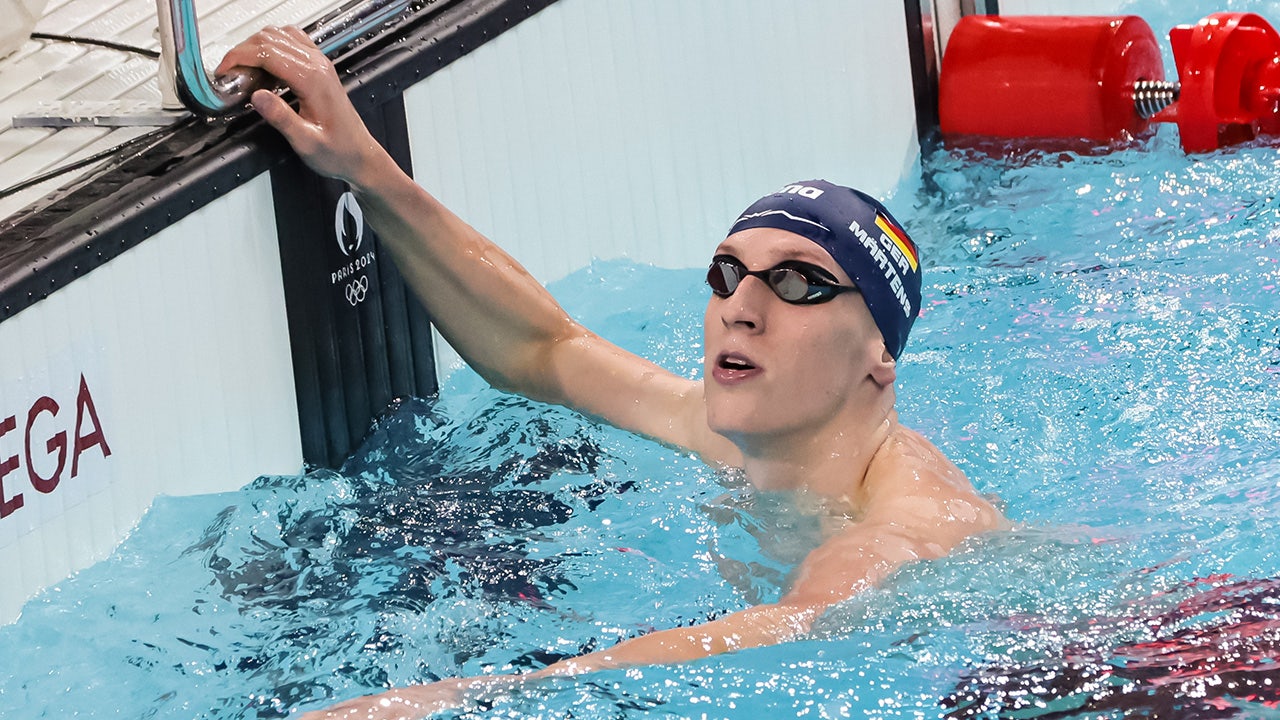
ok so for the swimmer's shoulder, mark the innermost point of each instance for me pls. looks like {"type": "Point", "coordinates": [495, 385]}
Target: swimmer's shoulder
{"type": "Point", "coordinates": [911, 477]}
{"type": "Point", "coordinates": [907, 453]}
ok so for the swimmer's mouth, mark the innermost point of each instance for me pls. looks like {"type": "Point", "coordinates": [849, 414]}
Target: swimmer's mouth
{"type": "Point", "coordinates": [734, 362]}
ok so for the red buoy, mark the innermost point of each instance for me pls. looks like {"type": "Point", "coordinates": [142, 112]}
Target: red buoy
{"type": "Point", "coordinates": [1046, 77]}
{"type": "Point", "coordinates": [1229, 65]}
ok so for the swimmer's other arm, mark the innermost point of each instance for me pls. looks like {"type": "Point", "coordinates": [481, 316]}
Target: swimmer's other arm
{"type": "Point", "coordinates": [843, 566]}
{"type": "Point", "coordinates": [492, 311]}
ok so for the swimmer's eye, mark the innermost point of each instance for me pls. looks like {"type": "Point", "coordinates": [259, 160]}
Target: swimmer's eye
{"type": "Point", "coordinates": [794, 281]}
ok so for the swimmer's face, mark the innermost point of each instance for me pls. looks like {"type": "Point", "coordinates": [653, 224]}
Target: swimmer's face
{"type": "Point", "coordinates": [775, 369]}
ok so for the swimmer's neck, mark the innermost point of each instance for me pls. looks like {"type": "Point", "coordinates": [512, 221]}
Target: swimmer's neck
{"type": "Point", "coordinates": [831, 465]}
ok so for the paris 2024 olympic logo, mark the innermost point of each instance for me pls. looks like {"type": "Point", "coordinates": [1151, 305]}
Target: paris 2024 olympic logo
{"type": "Point", "coordinates": [348, 229]}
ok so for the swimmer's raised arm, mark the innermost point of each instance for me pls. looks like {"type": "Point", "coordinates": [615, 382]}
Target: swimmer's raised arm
{"type": "Point", "coordinates": [492, 311]}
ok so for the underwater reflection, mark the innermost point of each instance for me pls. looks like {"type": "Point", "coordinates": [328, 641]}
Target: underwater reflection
{"type": "Point", "coordinates": [1214, 654]}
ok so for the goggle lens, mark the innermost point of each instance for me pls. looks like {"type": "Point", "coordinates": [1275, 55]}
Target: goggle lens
{"type": "Point", "coordinates": [798, 283]}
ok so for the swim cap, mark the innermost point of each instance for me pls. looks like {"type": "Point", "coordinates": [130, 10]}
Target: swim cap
{"type": "Point", "coordinates": [861, 236]}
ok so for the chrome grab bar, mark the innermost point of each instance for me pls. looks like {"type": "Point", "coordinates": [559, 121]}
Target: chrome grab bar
{"type": "Point", "coordinates": [228, 93]}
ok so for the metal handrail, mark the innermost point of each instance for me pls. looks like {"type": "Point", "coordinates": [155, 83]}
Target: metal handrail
{"type": "Point", "coordinates": [228, 93]}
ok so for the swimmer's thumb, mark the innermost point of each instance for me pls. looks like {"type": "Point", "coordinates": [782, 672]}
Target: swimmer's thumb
{"type": "Point", "coordinates": [279, 115]}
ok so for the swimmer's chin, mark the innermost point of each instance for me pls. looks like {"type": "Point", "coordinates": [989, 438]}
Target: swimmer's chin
{"type": "Point", "coordinates": [729, 421]}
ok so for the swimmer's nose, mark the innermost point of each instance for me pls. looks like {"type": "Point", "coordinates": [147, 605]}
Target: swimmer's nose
{"type": "Point", "coordinates": [745, 308]}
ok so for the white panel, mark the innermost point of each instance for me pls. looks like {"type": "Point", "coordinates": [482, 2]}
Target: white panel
{"type": "Point", "coordinates": [602, 128]}
{"type": "Point", "coordinates": [948, 12]}
{"type": "Point", "coordinates": [184, 347]}
{"type": "Point", "coordinates": [1064, 7]}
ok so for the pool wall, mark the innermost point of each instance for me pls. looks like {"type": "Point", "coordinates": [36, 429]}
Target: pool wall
{"type": "Point", "coordinates": [114, 392]}
{"type": "Point", "coordinates": [640, 130]}
{"type": "Point", "coordinates": [198, 343]}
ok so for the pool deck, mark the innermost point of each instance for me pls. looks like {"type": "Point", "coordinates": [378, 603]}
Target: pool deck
{"type": "Point", "coordinates": [47, 83]}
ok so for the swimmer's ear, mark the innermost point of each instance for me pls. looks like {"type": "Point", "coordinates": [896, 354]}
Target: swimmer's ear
{"type": "Point", "coordinates": [885, 372]}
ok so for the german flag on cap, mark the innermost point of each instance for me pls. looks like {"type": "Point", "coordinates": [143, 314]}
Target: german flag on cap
{"type": "Point", "coordinates": [900, 239]}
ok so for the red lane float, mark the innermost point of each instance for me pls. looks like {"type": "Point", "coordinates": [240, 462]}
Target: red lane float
{"type": "Point", "coordinates": [1101, 79]}
{"type": "Point", "coordinates": [1228, 67]}
{"type": "Point", "coordinates": [1046, 77]}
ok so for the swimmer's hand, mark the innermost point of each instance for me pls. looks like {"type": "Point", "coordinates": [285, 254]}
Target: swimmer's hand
{"type": "Point", "coordinates": [326, 131]}
{"type": "Point", "coordinates": [416, 702]}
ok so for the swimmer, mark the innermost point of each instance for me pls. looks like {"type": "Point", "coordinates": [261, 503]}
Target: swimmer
{"type": "Point", "coordinates": [813, 293]}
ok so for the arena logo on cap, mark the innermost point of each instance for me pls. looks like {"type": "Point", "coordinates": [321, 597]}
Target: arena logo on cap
{"type": "Point", "coordinates": [812, 193]}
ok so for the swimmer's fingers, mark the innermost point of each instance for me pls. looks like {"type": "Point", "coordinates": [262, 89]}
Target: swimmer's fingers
{"type": "Point", "coordinates": [285, 52]}
{"type": "Point", "coordinates": [409, 703]}
{"type": "Point", "coordinates": [302, 133]}
{"type": "Point", "coordinates": [325, 131]}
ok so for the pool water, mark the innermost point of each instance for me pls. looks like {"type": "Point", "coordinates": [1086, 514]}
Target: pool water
{"type": "Point", "coordinates": [1100, 349]}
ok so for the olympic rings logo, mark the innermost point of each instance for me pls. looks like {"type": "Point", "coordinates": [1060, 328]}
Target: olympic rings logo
{"type": "Point", "coordinates": [357, 290]}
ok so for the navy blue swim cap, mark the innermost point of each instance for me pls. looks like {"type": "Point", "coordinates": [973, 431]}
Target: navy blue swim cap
{"type": "Point", "coordinates": [861, 236]}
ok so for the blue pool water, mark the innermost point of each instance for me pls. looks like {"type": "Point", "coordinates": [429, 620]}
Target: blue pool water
{"type": "Point", "coordinates": [1100, 350]}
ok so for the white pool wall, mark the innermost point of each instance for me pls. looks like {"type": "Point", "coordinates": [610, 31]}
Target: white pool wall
{"type": "Point", "coordinates": [607, 128]}
{"type": "Point", "coordinates": [184, 350]}
{"type": "Point", "coordinates": [1059, 7]}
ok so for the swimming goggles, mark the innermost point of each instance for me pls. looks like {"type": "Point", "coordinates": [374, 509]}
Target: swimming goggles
{"type": "Point", "coordinates": [796, 282]}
